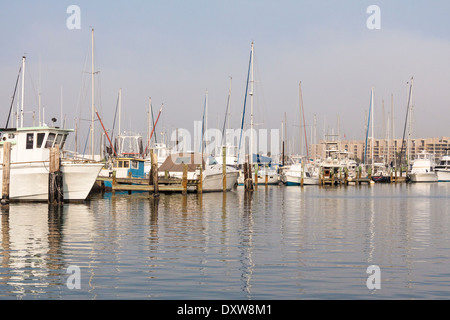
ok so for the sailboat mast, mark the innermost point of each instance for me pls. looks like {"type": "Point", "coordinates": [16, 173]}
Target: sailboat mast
{"type": "Point", "coordinates": [251, 106]}
{"type": "Point", "coordinates": [373, 138]}
{"type": "Point", "coordinates": [23, 91]}
{"type": "Point", "coordinates": [92, 96]}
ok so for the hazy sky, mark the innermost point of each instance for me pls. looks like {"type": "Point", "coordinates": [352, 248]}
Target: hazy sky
{"type": "Point", "coordinates": [173, 51]}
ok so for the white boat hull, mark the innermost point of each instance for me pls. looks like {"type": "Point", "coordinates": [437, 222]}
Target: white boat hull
{"type": "Point", "coordinates": [29, 181]}
{"type": "Point", "coordinates": [423, 177]}
{"type": "Point", "coordinates": [443, 176]}
{"type": "Point", "coordinates": [214, 182]}
{"type": "Point", "coordinates": [295, 180]}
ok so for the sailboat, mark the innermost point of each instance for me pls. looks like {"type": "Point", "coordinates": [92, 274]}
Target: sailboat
{"type": "Point", "coordinates": [301, 172]}
{"type": "Point", "coordinates": [272, 174]}
{"type": "Point", "coordinates": [30, 155]}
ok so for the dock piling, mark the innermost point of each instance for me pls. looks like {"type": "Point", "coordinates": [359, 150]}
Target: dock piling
{"type": "Point", "coordinates": [6, 172]}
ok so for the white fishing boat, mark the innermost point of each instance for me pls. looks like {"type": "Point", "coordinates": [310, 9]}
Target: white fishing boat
{"type": "Point", "coordinates": [423, 168]}
{"type": "Point", "coordinates": [29, 169]}
{"type": "Point", "coordinates": [443, 169]}
{"type": "Point", "coordinates": [299, 174]}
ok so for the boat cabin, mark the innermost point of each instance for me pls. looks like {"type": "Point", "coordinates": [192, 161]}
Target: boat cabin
{"type": "Point", "coordinates": [33, 144]}
{"type": "Point", "coordinates": [129, 167]}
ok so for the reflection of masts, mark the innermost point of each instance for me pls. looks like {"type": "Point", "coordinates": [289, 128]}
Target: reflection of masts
{"type": "Point", "coordinates": [251, 93]}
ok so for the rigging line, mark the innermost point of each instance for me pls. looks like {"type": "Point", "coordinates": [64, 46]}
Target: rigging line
{"type": "Point", "coordinates": [114, 122]}
{"type": "Point", "coordinates": [36, 95]}
{"type": "Point", "coordinates": [406, 121]}
{"type": "Point", "coordinates": [226, 113]}
{"type": "Point", "coordinates": [245, 102]}
{"type": "Point", "coordinates": [14, 95]}
{"type": "Point", "coordinates": [153, 120]}
{"type": "Point", "coordinates": [367, 132]}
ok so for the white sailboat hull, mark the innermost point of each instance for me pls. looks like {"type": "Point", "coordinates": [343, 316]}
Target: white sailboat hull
{"type": "Point", "coordinates": [214, 182]}
{"type": "Point", "coordinates": [29, 181]}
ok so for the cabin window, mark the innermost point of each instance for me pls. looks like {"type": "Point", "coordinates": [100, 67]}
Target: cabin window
{"type": "Point", "coordinates": [134, 164]}
{"type": "Point", "coordinates": [50, 140]}
{"type": "Point", "coordinates": [185, 160]}
{"type": "Point", "coordinates": [126, 164]}
{"type": "Point", "coordinates": [40, 139]}
{"type": "Point", "coordinates": [63, 141]}
{"type": "Point", "coordinates": [58, 139]}
{"type": "Point", "coordinates": [30, 140]}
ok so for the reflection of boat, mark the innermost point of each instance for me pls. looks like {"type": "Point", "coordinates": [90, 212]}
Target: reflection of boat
{"type": "Point", "coordinates": [443, 169]}
{"type": "Point", "coordinates": [30, 161]}
{"type": "Point", "coordinates": [423, 168]}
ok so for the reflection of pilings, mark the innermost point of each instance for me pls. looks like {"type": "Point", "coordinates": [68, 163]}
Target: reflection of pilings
{"type": "Point", "coordinates": [55, 222]}
{"type": "Point", "coordinates": [6, 248]}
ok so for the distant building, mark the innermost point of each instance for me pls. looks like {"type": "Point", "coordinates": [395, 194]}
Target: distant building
{"type": "Point", "coordinates": [385, 150]}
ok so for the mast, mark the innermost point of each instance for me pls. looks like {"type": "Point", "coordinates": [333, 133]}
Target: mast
{"type": "Point", "coordinates": [23, 92]}
{"type": "Point", "coordinates": [302, 115]}
{"type": "Point", "coordinates": [251, 105]}
{"type": "Point", "coordinates": [373, 138]}
{"type": "Point", "coordinates": [148, 119]}
{"type": "Point", "coordinates": [120, 110]}
{"type": "Point", "coordinates": [92, 96]}
{"type": "Point", "coordinates": [394, 147]}
{"type": "Point", "coordinates": [40, 89]}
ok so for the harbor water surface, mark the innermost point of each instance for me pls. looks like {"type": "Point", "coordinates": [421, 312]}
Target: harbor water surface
{"type": "Point", "coordinates": [277, 243]}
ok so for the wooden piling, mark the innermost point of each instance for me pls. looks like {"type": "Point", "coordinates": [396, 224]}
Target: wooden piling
{"type": "Point", "coordinates": [6, 172]}
{"type": "Point", "coordinates": [184, 180]}
{"type": "Point", "coordinates": [154, 173]}
{"type": "Point", "coordinates": [224, 168]}
{"type": "Point", "coordinates": [200, 180]}
{"type": "Point", "coordinates": [55, 178]}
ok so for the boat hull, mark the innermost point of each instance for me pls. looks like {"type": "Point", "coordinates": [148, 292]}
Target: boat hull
{"type": "Point", "coordinates": [423, 177]}
{"type": "Point", "coordinates": [29, 181]}
{"type": "Point", "coordinates": [296, 180]}
{"type": "Point", "coordinates": [214, 182]}
{"type": "Point", "coordinates": [443, 176]}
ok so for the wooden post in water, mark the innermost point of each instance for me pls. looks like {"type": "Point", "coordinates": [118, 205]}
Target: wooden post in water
{"type": "Point", "coordinates": [6, 172]}
{"type": "Point", "coordinates": [184, 181]}
{"type": "Point", "coordinates": [256, 175]}
{"type": "Point", "coordinates": [55, 178]}
{"type": "Point", "coordinates": [224, 168]}
{"type": "Point", "coordinates": [200, 179]}
{"type": "Point", "coordinates": [303, 173]}
{"type": "Point", "coordinates": [267, 174]}
{"type": "Point", "coordinates": [113, 182]}
{"type": "Point", "coordinates": [154, 173]}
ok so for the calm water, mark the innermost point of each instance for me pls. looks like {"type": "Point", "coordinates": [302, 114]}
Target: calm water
{"type": "Point", "coordinates": [280, 243]}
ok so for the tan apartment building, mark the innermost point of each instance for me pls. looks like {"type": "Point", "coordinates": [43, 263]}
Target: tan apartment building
{"type": "Point", "coordinates": [386, 151]}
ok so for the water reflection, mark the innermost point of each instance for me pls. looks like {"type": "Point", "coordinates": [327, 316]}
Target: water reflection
{"type": "Point", "coordinates": [275, 243]}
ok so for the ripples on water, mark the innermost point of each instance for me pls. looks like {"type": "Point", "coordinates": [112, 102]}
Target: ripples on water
{"type": "Point", "coordinates": [279, 243]}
